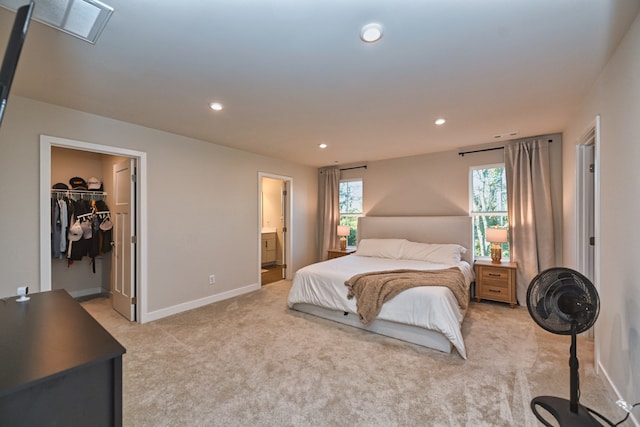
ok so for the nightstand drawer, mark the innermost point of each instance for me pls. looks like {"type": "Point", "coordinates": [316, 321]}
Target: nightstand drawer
{"type": "Point", "coordinates": [495, 292]}
{"type": "Point", "coordinates": [495, 275]}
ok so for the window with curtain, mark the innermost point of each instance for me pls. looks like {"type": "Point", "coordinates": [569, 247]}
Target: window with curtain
{"type": "Point", "coordinates": [351, 207]}
{"type": "Point", "coordinates": [488, 206]}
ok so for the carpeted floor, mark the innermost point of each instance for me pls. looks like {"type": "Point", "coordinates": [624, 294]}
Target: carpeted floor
{"type": "Point", "coordinates": [250, 361]}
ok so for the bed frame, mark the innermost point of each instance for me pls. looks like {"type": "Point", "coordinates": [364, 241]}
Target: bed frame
{"type": "Point", "coordinates": [424, 229]}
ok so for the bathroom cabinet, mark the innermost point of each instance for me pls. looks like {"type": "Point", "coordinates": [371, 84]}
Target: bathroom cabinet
{"type": "Point", "coordinates": [268, 248]}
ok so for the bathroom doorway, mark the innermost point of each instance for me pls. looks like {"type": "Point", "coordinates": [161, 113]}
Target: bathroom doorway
{"type": "Point", "coordinates": [274, 225]}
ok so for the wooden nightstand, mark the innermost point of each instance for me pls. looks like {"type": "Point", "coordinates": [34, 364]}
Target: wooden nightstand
{"type": "Point", "coordinates": [496, 282]}
{"type": "Point", "coordinates": [337, 253]}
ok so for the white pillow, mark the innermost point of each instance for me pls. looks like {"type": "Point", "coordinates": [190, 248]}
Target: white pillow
{"type": "Point", "coordinates": [447, 253]}
{"type": "Point", "coordinates": [381, 248]}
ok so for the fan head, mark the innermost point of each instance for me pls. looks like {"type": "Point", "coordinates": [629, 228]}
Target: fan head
{"type": "Point", "coordinates": [559, 298]}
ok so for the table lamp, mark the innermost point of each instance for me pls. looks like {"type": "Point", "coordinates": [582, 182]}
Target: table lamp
{"type": "Point", "coordinates": [343, 232]}
{"type": "Point", "coordinates": [495, 236]}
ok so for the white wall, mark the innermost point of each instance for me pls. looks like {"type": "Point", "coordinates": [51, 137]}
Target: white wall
{"type": "Point", "coordinates": [202, 203]}
{"type": "Point", "coordinates": [616, 98]}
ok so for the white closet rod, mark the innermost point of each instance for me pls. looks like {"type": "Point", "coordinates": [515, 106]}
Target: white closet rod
{"type": "Point", "coordinates": [63, 192]}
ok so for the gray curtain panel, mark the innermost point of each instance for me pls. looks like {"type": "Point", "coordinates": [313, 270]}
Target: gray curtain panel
{"type": "Point", "coordinates": [530, 211]}
{"type": "Point", "coordinates": [328, 210]}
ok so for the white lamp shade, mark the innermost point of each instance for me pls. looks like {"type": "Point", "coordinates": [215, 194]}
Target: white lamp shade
{"type": "Point", "coordinates": [344, 230]}
{"type": "Point", "coordinates": [496, 235]}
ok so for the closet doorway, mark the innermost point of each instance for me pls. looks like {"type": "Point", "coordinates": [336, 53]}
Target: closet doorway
{"type": "Point", "coordinates": [119, 271]}
{"type": "Point", "coordinates": [274, 225]}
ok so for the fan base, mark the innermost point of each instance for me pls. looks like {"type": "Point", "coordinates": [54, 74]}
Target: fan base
{"type": "Point", "coordinates": [561, 411]}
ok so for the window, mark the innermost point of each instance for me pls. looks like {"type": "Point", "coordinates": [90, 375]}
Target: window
{"type": "Point", "coordinates": [488, 205]}
{"type": "Point", "coordinates": [351, 206]}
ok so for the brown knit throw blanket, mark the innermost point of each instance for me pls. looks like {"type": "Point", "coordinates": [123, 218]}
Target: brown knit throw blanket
{"type": "Point", "coordinates": [374, 289]}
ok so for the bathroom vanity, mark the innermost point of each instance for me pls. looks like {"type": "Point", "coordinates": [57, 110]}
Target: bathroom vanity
{"type": "Point", "coordinates": [269, 244]}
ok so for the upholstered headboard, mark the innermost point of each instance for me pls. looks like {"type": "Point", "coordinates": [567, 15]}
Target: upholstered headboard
{"type": "Point", "coordinates": [423, 229]}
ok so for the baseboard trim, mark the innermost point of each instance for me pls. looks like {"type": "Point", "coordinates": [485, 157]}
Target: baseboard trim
{"type": "Point", "coordinates": [190, 305]}
{"type": "Point", "coordinates": [617, 393]}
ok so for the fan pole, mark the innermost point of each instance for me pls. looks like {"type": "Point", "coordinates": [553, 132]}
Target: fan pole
{"type": "Point", "coordinates": [578, 415]}
{"type": "Point", "coordinates": [574, 381]}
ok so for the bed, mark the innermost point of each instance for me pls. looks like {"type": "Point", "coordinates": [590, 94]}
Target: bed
{"type": "Point", "coordinates": [430, 316]}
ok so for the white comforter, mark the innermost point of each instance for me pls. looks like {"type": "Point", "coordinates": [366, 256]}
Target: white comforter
{"type": "Point", "coordinates": [430, 307]}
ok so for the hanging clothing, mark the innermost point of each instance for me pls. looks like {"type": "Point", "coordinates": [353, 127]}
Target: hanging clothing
{"type": "Point", "coordinates": [79, 228]}
{"type": "Point", "coordinates": [59, 226]}
{"type": "Point", "coordinates": [105, 233]}
{"type": "Point", "coordinates": [83, 214]}
{"type": "Point", "coordinates": [56, 230]}
{"type": "Point", "coordinates": [64, 224]}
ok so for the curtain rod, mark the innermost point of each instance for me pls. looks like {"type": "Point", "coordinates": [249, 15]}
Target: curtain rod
{"type": "Point", "coordinates": [462, 153]}
{"type": "Point", "coordinates": [355, 167]}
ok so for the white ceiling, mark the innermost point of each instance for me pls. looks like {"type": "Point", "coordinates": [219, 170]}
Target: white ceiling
{"type": "Point", "coordinates": [293, 73]}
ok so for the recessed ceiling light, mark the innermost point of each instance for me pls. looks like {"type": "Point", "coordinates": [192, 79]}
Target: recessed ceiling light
{"type": "Point", "coordinates": [371, 33]}
{"type": "Point", "coordinates": [216, 106]}
{"type": "Point", "coordinates": [440, 121]}
{"type": "Point", "coordinates": [322, 146]}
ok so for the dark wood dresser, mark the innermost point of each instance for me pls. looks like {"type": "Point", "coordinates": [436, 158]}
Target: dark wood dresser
{"type": "Point", "coordinates": [58, 366]}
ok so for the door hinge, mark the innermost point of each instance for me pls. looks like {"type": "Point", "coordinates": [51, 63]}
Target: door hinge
{"type": "Point", "coordinates": [284, 229]}
{"type": "Point", "coordinates": [134, 178]}
{"type": "Point", "coordinates": [592, 241]}
{"type": "Point", "coordinates": [592, 168]}
{"type": "Point", "coordinates": [284, 192]}
{"type": "Point", "coordinates": [133, 239]}
{"type": "Point", "coordinates": [284, 266]}
{"type": "Point", "coordinates": [134, 300]}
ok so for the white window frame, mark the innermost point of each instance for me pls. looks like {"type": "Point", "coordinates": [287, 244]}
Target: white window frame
{"type": "Point", "coordinates": [473, 214]}
{"type": "Point", "coordinates": [354, 215]}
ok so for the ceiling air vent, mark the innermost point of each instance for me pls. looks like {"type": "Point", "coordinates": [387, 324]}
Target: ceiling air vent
{"type": "Point", "coordinates": [84, 19]}
{"type": "Point", "coordinates": [505, 135]}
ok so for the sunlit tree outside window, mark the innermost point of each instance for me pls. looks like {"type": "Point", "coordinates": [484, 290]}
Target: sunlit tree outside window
{"type": "Point", "coordinates": [488, 205]}
{"type": "Point", "coordinates": [351, 207]}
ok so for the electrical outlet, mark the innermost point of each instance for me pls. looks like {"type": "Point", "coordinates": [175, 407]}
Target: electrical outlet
{"type": "Point", "coordinates": [212, 279]}
{"type": "Point", "coordinates": [624, 405]}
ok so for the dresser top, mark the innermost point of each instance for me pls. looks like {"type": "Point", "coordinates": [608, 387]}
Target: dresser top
{"type": "Point", "coordinates": [503, 264]}
{"type": "Point", "coordinates": [46, 336]}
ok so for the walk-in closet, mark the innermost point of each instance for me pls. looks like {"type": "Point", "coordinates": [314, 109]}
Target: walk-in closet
{"type": "Point", "coordinates": [81, 255]}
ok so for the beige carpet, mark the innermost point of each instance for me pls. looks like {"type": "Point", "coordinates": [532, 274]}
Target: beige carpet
{"type": "Point", "coordinates": [250, 361]}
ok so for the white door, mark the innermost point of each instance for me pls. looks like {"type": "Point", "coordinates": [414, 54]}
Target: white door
{"type": "Point", "coordinates": [123, 283]}
{"type": "Point", "coordinates": [585, 209]}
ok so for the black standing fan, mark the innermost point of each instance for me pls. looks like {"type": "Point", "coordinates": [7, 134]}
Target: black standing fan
{"type": "Point", "coordinates": [564, 302]}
